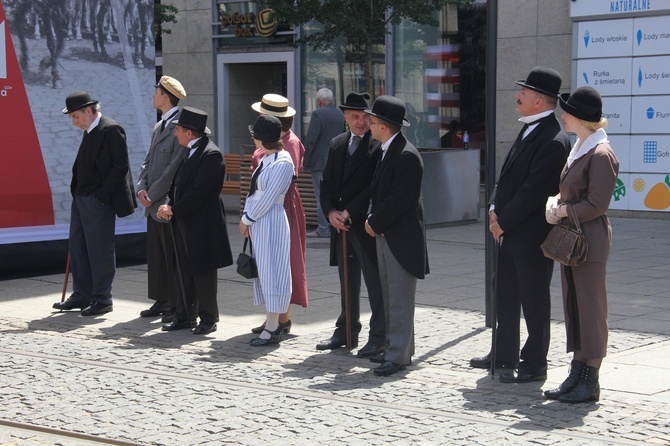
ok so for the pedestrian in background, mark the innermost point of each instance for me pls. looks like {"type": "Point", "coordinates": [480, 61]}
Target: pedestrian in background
{"type": "Point", "coordinates": [198, 220]}
{"type": "Point", "coordinates": [158, 169]}
{"type": "Point", "coordinates": [264, 221]}
{"type": "Point", "coordinates": [276, 105]}
{"type": "Point", "coordinates": [396, 221]}
{"type": "Point", "coordinates": [587, 184]}
{"type": "Point", "coordinates": [325, 124]}
{"type": "Point", "coordinates": [345, 198]}
{"type": "Point", "coordinates": [102, 189]}
{"type": "Point", "coordinates": [529, 175]}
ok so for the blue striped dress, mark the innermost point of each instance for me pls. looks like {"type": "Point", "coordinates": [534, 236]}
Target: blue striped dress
{"type": "Point", "coordinates": [270, 233]}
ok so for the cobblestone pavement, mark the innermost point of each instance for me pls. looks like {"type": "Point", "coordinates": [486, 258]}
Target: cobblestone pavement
{"type": "Point", "coordinates": [120, 377]}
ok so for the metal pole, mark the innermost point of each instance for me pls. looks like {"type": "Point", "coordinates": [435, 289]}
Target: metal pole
{"type": "Point", "coordinates": [347, 312]}
{"type": "Point", "coordinates": [491, 54]}
{"type": "Point", "coordinates": [67, 276]}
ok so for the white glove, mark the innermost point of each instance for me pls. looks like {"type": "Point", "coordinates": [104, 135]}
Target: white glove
{"type": "Point", "coordinates": [550, 211]}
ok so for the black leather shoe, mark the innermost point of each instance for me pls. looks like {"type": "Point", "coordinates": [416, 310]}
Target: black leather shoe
{"type": "Point", "coordinates": [521, 376]}
{"type": "Point", "coordinates": [72, 303]}
{"type": "Point", "coordinates": [378, 358]}
{"type": "Point", "coordinates": [388, 368]}
{"type": "Point", "coordinates": [203, 328]}
{"type": "Point", "coordinates": [484, 362]}
{"type": "Point", "coordinates": [157, 309]}
{"type": "Point", "coordinates": [177, 324]}
{"type": "Point", "coordinates": [97, 308]}
{"type": "Point", "coordinates": [370, 349]}
{"type": "Point", "coordinates": [285, 326]}
{"type": "Point", "coordinates": [333, 343]}
{"type": "Point", "coordinates": [168, 316]}
{"type": "Point", "coordinates": [275, 338]}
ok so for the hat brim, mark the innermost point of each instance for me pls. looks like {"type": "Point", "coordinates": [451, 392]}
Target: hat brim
{"type": "Point", "coordinates": [290, 111]}
{"type": "Point", "coordinates": [404, 123]}
{"type": "Point", "coordinates": [523, 83]}
{"type": "Point", "coordinates": [67, 112]}
{"type": "Point", "coordinates": [206, 131]}
{"type": "Point", "coordinates": [348, 107]}
{"type": "Point", "coordinates": [574, 111]}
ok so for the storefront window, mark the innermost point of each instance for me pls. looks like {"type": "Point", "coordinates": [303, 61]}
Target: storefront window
{"type": "Point", "coordinates": [440, 74]}
{"type": "Point", "coordinates": [342, 68]}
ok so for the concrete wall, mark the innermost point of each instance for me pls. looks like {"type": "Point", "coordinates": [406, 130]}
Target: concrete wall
{"type": "Point", "coordinates": [530, 33]}
{"type": "Point", "coordinates": [188, 53]}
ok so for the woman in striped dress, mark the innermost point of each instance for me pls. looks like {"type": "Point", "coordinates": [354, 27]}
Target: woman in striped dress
{"type": "Point", "coordinates": [264, 221]}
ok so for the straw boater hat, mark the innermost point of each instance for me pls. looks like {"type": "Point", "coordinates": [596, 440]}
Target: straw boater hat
{"type": "Point", "coordinates": [543, 80]}
{"type": "Point", "coordinates": [267, 128]}
{"type": "Point", "coordinates": [584, 103]}
{"type": "Point", "coordinates": [356, 101]}
{"type": "Point", "coordinates": [389, 109]}
{"type": "Point", "coordinates": [173, 86]}
{"type": "Point", "coordinates": [194, 119]}
{"type": "Point", "coordinates": [275, 105]}
{"type": "Point", "coordinates": [76, 101]}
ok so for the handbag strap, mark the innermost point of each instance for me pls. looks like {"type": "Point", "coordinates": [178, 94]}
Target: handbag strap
{"type": "Point", "coordinates": [573, 217]}
{"type": "Point", "coordinates": [251, 247]}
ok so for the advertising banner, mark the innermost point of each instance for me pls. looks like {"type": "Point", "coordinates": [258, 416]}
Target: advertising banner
{"type": "Point", "coordinates": [650, 114]}
{"type": "Point", "coordinates": [650, 153]}
{"type": "Point", "coordinates": [611, 77]}
{"type": "Point", "coordinates": [652, 36]}
{"type": "Point", "coordinates": [49, 49]}
{"type": "Point", "coordinates": [613, 38]}
{"type": "Point", "coordinates": [622, 149]}
{"type": "Point", "coordinates": [592, 9]}
{"type": "Point", "coordinates": [619, 199]}
{"type": "Point", "coordinates": [652, 75]}
{"type": "Point", "coordinates": [649, 192]}
{"type": "Point", "coordinates": [617, 111]}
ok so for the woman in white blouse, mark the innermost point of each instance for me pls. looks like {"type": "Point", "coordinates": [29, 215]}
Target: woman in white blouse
{"type": "Point", "coordinates": [264, 221]}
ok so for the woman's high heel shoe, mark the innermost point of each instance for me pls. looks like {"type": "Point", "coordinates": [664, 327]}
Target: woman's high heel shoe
{"type": "Point", "coordinates": [285, 326]}
{"type": "Point", "coordinates": [275, 338]}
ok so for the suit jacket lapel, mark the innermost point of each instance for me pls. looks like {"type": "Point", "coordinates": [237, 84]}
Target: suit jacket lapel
{"type": "Point", "coordinates": [522, 143]}
{"type": "Point", "coordinates": [357, 158]}
{"type": "Point", "coordinates": [394, 149]}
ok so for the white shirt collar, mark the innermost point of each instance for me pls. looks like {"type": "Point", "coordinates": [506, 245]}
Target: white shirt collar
{"type": "Point", "coordinates": [582, 148]}
{"type": "Point", "coordinates": [95, 123]}
{"type": "Point", "coordinates": [191, 145]}
{"type": "Point", "coordinates": [169, 114]}
{"type": "Point", "coordinates": [531, 118]}
{"type": "Point", "coordinates": [386, 145]}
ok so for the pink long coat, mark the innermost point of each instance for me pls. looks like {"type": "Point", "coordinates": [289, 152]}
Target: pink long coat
{"type": "Point", "coordinates": [296, 218]}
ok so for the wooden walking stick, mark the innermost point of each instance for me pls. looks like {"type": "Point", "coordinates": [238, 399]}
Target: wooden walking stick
{"type": "Point", "coordinates": [494, 310]}
{"type": "Point", "coordinates": [347, 312]}
{"type": "Point", "coordinates": [67, 275]}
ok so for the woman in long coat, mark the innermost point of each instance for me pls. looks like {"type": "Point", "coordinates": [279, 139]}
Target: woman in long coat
{"type": "Point", "coordinates": [264, 220]}
{"type": "Point", "coordinates": [276, 105]}
{"type": "Point", "coordinates": [587, 183]}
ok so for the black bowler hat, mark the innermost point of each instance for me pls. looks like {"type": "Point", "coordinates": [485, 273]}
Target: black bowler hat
{"type": "Point", "coordinates": [543, 80]}
{"type": "Point", "coordinates": [194, 119]}
{"type": "Point", "coordinates": [267, 128]}
{"type": "Point", "coordinates": [584, 103]}
{"type": "Point", "coordinates": [389, 109]}
{"type": "Point", "coordinates": [356, 101]}
{"type": "Point", "coordinates": [77, 100]}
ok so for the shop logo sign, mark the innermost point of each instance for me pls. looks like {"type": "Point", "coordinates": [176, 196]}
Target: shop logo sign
{"type": "Point", "coordinates": [3, 51]}
{"type": "Point", "coordinates": [586, 77]}
{"type": "Point", "coordinates": [639, 37]}
{"type": "Point", "coordinates": [639, 78]}
{"type": "Point", "coordinates": [587, 37]}
{"type": "Point", "coordinates": [650, 113]}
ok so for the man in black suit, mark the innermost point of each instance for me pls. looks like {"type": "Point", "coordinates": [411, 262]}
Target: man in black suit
{"type": "Point", "coordinates": [199, 225]}
{"type": "Point", "coordinates": [529, 175]}
{"type": "Point", "coordinates": [345, 197]}
{"type": "Point", "coordinates": [102, 189]}
{"type": "Point", "coordinates": [395, 220]}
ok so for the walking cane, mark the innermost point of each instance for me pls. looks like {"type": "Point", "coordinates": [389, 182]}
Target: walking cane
{"type": "Point", "coordinates": [347, 313]}
{"type": "Point", "coordinates": [494, 310]}
{"type": "Point", "coordinates": [67, 276]}
{"type": "Point", "coordinates": [181, 279]}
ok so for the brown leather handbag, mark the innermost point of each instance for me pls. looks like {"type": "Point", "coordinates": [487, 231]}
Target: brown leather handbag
{"type": "Point", "coordinates": [565, 244]}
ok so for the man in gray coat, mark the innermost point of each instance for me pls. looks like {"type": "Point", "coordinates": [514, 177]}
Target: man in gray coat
{"type": "Point", "coordinates": [326, 123]}
{"type": "Point", "coordinates": [158, 170]}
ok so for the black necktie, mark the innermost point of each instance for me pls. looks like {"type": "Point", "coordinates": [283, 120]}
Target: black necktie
{"type": "Point", "coordinates": [164, 121]}
{"type": "Point", "coordinates": [355, 141]}
{"type": "Point", "coordinates": [254, 179]}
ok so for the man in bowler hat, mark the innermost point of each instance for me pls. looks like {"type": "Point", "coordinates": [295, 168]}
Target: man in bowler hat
{"type": "Point", "coordinates": [158, 169]}
{"type": "Point", "coordinates": [345, 197]}
{"type": "Point", "coordinates": [196, 212]}
{"type": "Point", "coordinates": [102, 189]}
{"type": "Point", "coordinates": [529, 175]}
{"type": "Point", "coordinates": [395, 219]}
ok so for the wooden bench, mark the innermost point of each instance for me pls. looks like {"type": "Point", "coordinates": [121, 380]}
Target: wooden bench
{"type": "Point", "coordinates": [231, 183]}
